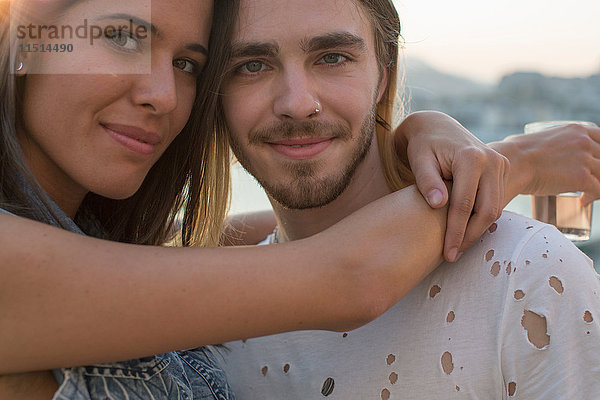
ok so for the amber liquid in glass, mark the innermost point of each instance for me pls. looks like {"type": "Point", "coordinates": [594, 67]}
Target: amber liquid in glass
{"type": "Point", "coordinates": [566, 213]}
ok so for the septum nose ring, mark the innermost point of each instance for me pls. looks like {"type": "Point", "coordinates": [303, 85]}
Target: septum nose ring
{"type": "Point", "coordinates": [317, 108]}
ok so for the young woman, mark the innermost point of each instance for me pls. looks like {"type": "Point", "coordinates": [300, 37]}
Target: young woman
{"type": "Point", "coordinates": [93, 149]}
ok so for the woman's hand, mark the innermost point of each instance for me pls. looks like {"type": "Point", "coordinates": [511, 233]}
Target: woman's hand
{"type": "Point", "coordinates": [437, 147]}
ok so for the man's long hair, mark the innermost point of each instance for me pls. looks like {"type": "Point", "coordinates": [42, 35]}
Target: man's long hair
{"type": "Point", "coordinates": [387, 32]}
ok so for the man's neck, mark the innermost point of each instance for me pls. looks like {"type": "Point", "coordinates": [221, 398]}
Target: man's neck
{"type": "Point", "coordinates": [367, 184]}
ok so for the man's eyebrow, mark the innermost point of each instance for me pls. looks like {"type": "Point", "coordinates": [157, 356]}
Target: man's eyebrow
{"type": "Point", "coordinates": [333, 40]}
{"type": "Point", "coordinates": [196, 47]}
{"type": "Point", "coordinates": [253, 49]}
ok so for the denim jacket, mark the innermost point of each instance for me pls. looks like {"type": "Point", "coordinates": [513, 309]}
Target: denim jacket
{"type": "Point", "coordinates": [191, 374]}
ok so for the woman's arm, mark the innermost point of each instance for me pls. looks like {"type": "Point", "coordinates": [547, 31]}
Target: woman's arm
{"type": "Point", "coordinates": [67, 299]}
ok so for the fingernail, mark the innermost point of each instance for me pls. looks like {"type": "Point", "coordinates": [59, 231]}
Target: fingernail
{"type": "Point", "coordinates": [452, 254]}
{"type": "Point", "coordinates": [434, 198]}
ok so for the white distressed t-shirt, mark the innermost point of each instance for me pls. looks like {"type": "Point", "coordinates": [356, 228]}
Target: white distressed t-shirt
{"type": "Point", "coordinates": [517, 317]}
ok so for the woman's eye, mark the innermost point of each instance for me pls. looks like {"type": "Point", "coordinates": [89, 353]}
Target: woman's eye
{"type": "Point", "coordinates": [123, 39]}
{"type": "Point", "coordinates": [252, 67]}
{"type": "Point", "coordinates": [332, 58]}
{"type": "Point", "coordinates": [186, 66]}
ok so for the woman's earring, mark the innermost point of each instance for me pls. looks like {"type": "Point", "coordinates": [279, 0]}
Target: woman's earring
{"type": "Point", "coordinates": [20, 67]}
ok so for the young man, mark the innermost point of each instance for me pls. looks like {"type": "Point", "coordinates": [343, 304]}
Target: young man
{"type": "Point", "coordinates": [305, 106]}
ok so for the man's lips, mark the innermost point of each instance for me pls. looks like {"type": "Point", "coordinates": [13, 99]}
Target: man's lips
{"type": "Point", "coordinates": [134, 138]}
{"type": "Point", "coordinates": [301, 148]}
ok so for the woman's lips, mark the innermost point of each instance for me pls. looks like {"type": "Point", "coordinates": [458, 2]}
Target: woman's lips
{"type": "Point", "coordinates": [133, 138]}
{"type": "Point", "coordinates": [301, 148]}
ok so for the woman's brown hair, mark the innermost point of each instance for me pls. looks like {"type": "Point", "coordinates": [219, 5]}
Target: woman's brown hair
{"type": "Point", "coordinates": [189, 183]}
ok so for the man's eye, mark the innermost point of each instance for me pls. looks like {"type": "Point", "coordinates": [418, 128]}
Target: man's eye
{"type": "Point", "coordinates": [252, 67]}
{"type": "Point", "coordinates": [332, 58]}
{"type": "Point", "coordinates": [123, 39]}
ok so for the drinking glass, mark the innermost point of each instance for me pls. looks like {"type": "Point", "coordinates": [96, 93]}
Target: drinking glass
{"type": "Point", "coordinates": [563, 210]}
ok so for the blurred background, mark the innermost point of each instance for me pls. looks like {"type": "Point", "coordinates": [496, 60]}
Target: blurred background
{"type": "Point", "coordinates": [494, 67]}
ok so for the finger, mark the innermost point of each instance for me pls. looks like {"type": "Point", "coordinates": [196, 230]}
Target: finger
{"type": "Point", "coordinates": [591, 191]}
{"type": "Point", "coordinates": [462, 200]}
{"type": "Point", "coordinates": [428, 177]}
{"type": "Point", "coordinates": [585, 138]}
{"type": "Point", "coordinates": [486, 211]}
{"type": "Point", "coordinates": [591, 194]}
{"type": "Point", "coordinates": [594, 133]}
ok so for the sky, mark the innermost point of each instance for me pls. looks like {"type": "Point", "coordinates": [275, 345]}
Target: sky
{"type": "Point", "coordinates": [484, 40]}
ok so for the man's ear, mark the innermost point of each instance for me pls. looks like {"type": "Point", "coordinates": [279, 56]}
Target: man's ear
{"type": "Point", "coordinates": [383, 83]}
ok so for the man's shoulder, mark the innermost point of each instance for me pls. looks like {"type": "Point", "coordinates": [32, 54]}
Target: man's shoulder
{"type": "Point", "coordinates": [523, 241]}
{"type": "Point", "coordinates": [515, 253]}
{"type": "Point", "coordinates": [268, 240]}
{"type": "Point", "coordinates": [530, 244]}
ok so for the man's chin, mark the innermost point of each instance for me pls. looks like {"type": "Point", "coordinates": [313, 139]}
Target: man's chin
{"type": "Point", "coordinates": [309, 194]}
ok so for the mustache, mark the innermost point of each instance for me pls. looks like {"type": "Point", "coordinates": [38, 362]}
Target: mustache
{"type": "Point", "coordinates": [291, 130]}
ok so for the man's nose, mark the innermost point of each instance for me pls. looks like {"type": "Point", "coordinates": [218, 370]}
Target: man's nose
{"type": "Point", "coordinates": [296, 96]}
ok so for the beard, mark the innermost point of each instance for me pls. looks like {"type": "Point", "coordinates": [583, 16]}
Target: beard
{"type": "Point", "coordinates": [306, 186]}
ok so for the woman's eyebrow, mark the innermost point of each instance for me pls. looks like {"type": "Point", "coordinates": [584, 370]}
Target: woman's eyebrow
{"type": "Point", "coordinates": [196, 47]}
{"type": "Point", "coordinates": [136, 20]}
{"type": "Point", "coordinates": [333, 40]}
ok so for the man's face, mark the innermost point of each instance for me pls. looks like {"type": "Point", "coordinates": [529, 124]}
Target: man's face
{"type": "Point", "coordinates": [291, 57]}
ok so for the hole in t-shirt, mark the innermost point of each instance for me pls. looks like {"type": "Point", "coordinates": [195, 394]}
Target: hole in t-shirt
{"type": "Point", "coordinates": [457, 389]}
{"type": "Point", "coordinates": [447, 364]}
{"type": "Point", "coordinates": [527, 262]}
{"type": "Point", "coordinates": [435, 289]}
{"type": "Point", "coordinates": [556, 284]}
{"type": "Point", "coordinates": [327, 387]}
{"type": "Point", "coordinates": [545, 255]}
{"type": "Point", "coordinates": [519, 294]}
{"type": "Point", "coordinates": [509, 268]}
{"type": "Point", "coordinates": [529, 227]}
{"type": "Point", "coordinates": [450, 317]}
{"type": "Point", "coordinates": [489, 255]}
{"type": "Point", "coordinates": [264, 370]}
{"type": "Point", "coordinates": [390, 359]}
{"type": "Point", "coordinates": [393, 378]}
{"type": "Point", "coordinates": [493, 228]}
{"type": "Point", "coordinates": [536, 328]}
{"type": "Point", "coordinates": [385, 394]}
{"type": "Point", "coordinates": [512, 388]}
{"type": "Point", "coordinates": [286, 368]}
{"type": "Point", "coordinates": [345, 335]}
{"type": "Point", "coordinates": [495, 270]}
{"type": "Point", "coordinates": [587, 317]}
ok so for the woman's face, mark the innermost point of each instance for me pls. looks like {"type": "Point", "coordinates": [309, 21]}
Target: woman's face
{"type": "Point", "coordinates": [100, 116]}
